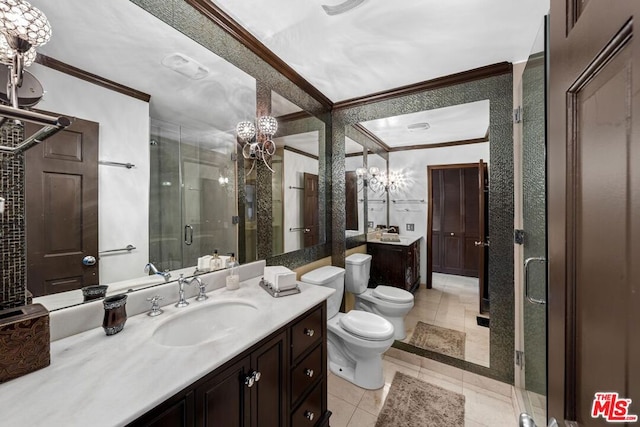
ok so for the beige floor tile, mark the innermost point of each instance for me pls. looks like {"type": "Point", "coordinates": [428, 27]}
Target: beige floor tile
{"type": "Point", "coordinates": [341, 411]}
{"type": "Point", "coordinates": [487, 393]}
{"type": "Point", "coordinates": [409, 360]}
{"type": "Point", "coordinates": [487, 410]}
{"type": "Point", "coordinates": [390, 368]}
{"type": "Point", "coordinates": [441, 368]}
{"type": "Point", "coordinates": [343, 389]}
{"type": "Point", "coordinates": [373, 400]}
{"type": "Point", "coordinates": [471, 423]}
{"type": "Point", "coordinates": [362, 418]}
{"type": "Point", "coordinates": [486, 383]}
{"type": "Point", "coordinates": [439, 380]}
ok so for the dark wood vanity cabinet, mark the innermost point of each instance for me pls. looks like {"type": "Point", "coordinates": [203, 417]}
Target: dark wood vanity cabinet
{"type": "Point", "coordinates": [395, 265]}
{"type": "Point", "coordinates": [290, 389]}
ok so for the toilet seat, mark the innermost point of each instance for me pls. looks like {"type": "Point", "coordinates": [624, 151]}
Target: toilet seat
{"type": "Point", "coordinates": [392, 294]}
{"type": "Point", "coordinates": [367, 325]}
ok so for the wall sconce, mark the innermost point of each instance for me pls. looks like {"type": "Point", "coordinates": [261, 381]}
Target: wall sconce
{"type": "Point", "coordinates": [22, 29]}
{"type": "Point", "coordinates": [258, 145]}
{"type": "Point", "coordinates": [378, 181]}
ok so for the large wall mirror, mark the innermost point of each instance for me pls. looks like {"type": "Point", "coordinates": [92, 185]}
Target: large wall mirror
{"type": "Point", "coordinates": [449, 151]}
{"type": "Point", "coordinates": [434, 185]}
{"type": "Point", "coordinates": [168, 176]}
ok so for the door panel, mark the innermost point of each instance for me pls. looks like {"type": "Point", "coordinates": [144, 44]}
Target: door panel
{"type": "Point", "coordinates": [311, 220]}
{"type": "Point", "coordinates": [601, 190]}
{"type": "Point", "coordinates": [594, 187]}
{"type": "Point", "coordinates": [62, 209]}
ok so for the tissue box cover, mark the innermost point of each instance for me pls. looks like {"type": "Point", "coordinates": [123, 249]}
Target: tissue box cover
{"type": "Point", "coordinates": [24, 340]}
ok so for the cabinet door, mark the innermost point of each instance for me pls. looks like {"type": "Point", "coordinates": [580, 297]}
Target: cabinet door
{"type": "Point", "coordinates": [268, 394]}
{"type": "Point", "coordinates": [176, 412]}
{"type": "Point", "coordinates": [224, 399]}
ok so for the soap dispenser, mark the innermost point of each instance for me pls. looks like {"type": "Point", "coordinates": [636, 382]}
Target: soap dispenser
{"type": "Point", "coordinates": [216, 261]}
{"type": "Point", "coordinates": [233, 279]}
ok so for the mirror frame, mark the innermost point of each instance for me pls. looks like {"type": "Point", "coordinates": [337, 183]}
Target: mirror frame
{"type": "Point", "coordinates": [495, 83]}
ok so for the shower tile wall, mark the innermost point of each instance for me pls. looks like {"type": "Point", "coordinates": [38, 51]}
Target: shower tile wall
{"type": "Point", "coordinates": [12, 222]}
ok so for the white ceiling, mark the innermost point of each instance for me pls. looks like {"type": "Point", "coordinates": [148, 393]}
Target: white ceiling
{"type": "Point", "coordinates": [380, 45]}
{"type": "Point", "coordinates": [377, 46]}
{"type": "Point", "coordinates": [449, 124]}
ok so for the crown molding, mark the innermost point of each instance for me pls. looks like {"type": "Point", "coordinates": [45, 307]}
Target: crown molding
{"type": "Point", "coordinates": [70, 70]}
{"type": "Point", "coordinates": [440, 82]}
{"type": "Point", "coordinates": [235, 30]}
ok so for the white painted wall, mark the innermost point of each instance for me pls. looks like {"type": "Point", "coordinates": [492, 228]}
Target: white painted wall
{"type": "Point", "coordinates": [123, 193]}
{"type": "Point", "coordinates": [295, 165]}
{"type": "Point", "coordinates": [413, 166]}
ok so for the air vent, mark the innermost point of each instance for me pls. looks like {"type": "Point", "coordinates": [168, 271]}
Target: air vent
{"type": "Point", "coordinates": [186, 66]}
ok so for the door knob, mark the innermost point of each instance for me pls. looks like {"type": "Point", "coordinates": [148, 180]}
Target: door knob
{"type": "Point", "coordinates": [481, 243]}
{"type": "Point", "coordinates": [452, 234]}
{"type": "Point", "coordinates": [89, 260]}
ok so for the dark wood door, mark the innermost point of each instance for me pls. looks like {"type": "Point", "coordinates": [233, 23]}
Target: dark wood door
{"type": "Point", "coordinates": [311, 223]}
{"type": "Point", "coordinates": [62, 209]}
{"type": "Point", "coordinates": [593, 206]}
{"type": "Point", "coordinates": [351, 200]}
{"type": "Point", "coordinates": [482, 243]}
{"type": "Point", "coordinates": [224, 400]}
{"type": "Point", "coordinates": [269, 398]}
{"type": "Point", "coordinates": [454, 219]}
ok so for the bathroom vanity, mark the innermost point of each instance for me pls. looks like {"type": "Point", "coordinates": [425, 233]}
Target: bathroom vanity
{"type": "Point", "coordinates": [279, 381]}
{"type": "Point", "coordinates": [264, 367]}
{"type": "Point", "coordinates": [395, 263]}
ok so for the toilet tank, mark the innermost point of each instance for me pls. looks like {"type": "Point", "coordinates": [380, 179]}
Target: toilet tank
{"type": "Point", "coordinates": [357, 274]}
{"type": "Point", "coordinates": [331, 277]}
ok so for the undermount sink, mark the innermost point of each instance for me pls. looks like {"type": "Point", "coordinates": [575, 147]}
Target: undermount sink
{"type": "Point", "coordinates": [199, 325]}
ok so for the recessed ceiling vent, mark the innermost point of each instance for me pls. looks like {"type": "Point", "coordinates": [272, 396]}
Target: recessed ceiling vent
{"type": "Point", "coordinates": [417, 127]}
{"type": "Point", "coordinates": [186, 66]}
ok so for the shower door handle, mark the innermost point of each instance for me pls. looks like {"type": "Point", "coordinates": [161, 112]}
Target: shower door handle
{"type": "Point", "coordinates": [188, 235]}
{"type": "Point", "coordinates": [527, 262]}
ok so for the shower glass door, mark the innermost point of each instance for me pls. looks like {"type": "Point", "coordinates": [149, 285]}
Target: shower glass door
{"type": "Point", "coordinates": [535, 227]}
{"type": "Point", "coordinates": [193, 195]}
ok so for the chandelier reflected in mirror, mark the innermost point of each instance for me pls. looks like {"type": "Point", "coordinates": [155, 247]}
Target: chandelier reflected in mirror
{"type": "Point", "coordinates": [378, 181]}
{"type": "Point", "coordinates": [257, 140]}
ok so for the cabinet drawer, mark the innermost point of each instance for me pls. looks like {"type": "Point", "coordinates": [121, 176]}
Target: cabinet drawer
{"type": "Point", "coordinates": [306, 373]}
{"type": "Point", "coordinates": [309, 411]}
{"type": "Point", "coordinates": [305, 333]}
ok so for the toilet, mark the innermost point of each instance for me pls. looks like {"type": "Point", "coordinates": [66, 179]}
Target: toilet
{"type": "Point", "coordinates": [355, 340]}
{"type": "Point", "coordinates": [387, 301]}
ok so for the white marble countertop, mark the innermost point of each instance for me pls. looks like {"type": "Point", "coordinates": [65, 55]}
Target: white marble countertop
{"type": "Point", "coordinates": [404, 240]}
{"type": "Point", "coordinates": [98, 380]}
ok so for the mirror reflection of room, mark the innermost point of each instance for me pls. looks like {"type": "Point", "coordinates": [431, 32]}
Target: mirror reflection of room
{"type": "Point", "coordinates": [434, 185]}
{"type": "Point", "coordinates": [162, 157]}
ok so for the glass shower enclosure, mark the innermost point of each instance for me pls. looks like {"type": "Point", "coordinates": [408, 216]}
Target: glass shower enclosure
{"type": "Point", "coordinates": [192, 195]}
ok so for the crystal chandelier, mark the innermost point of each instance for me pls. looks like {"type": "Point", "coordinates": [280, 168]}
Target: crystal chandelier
{"type": "Point", "coordinates": [258, 145]}
{"type": "Point", "coordinates": [380, 182]}
{"type": "Point", "coordinates": [22, 29]}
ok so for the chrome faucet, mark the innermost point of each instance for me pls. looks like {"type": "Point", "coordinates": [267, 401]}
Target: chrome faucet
{"type": "Point", "coordinates": [151, 269]}
{"type": "Point", "coordinates": [182, 302]}
{"type": "Point", "coordinates": [391, 230]}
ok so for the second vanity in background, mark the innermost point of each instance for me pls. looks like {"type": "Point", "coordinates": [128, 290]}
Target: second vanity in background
{"type": "Point", "coordinates": [395, 263]}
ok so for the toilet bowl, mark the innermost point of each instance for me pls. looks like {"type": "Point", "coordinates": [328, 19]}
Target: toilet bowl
{"type": "Point", "coordinates": [387, 301]}
{"type": "Point", "coordinates": [355, 340]}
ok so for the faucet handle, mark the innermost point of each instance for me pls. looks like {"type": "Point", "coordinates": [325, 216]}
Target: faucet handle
{"type": "Point", "coordinates": [201, 295]}
{"type": "Point", "coordinates": [155, 307]}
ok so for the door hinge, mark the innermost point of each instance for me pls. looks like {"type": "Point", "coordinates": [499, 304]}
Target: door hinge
{"type": "Point", "coordinates": [518, 236]}
{"type": "Point", "coordinates": [235, 219]}
{"type": "Point", "coordinates": [234, 157]}
{"type": "Point", "coordinates": [517, 115]}
{"type": "Point", "coordinates": [519, 357]}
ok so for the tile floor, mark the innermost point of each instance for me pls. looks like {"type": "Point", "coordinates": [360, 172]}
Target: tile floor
{"type": "Point", "coordinates": [452, 303]}
{"type": "Point", "coordinates": [488, 403]}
